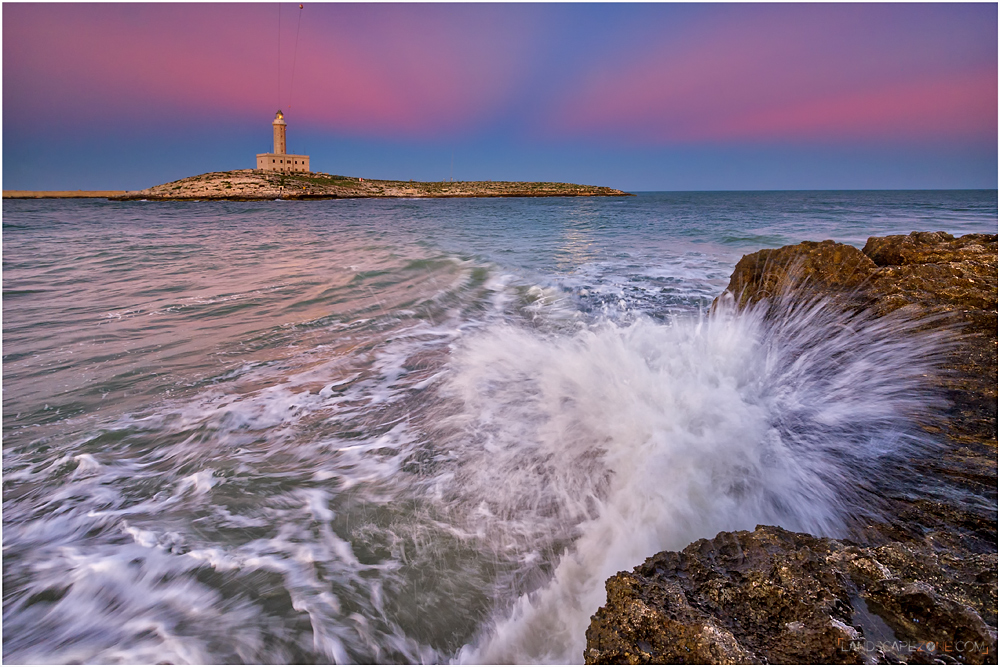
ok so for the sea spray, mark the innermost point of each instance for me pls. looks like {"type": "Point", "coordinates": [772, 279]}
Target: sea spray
{"type": "Point", "coordinates": [250, 432]}
{"type": "Point", "coordinates": [452, 488]}
{"type": "Point", "coordinates": [617, 442]}
{"type": "Point", "coordinates": [445, 476]}
{"type": "Point", "coordinates": [450, 494]}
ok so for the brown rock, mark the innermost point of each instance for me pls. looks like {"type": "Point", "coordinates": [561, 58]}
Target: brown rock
{"type": "Point", "coordinates": [945, 282]}
{"type": "Point", "coordinates": [930, 248]}
{"type": "Point", "coordinates": [918, 586]}
{"type": "Point", "coordinates": [772, 596]}
{"type": "Point", "coordinates": [817, 266]}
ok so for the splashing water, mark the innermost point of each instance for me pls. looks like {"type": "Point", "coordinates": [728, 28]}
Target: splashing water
{"type": "Point", "coordinates": [510, 477]}
{"type": "Point", "coordinates": [370, 450]}
{"type": "Point", "coordinates": [621, 442]}
{"type": "Point", "coordinates": [539, 465]}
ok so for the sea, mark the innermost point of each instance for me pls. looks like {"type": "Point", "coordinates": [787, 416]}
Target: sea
{"type": "Point", "coordinates": [420, 430]}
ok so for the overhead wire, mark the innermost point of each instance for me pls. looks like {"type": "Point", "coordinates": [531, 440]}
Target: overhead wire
{"type": "Point", "coordinates": [295, 53]}
{"type": "Point", "coordinates": [279, 54]}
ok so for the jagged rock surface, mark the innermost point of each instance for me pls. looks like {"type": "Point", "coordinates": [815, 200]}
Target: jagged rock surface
{"type": "Point", "coordinates": [772, 596]}
{"type": "Point", "coordinates": [926, 573]}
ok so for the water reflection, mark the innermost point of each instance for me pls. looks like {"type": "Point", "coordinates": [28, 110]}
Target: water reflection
{"type": "Point", "coordinates": [576, 248]}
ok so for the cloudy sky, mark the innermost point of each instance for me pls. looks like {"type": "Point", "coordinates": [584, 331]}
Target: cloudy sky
{"type": "Point", "coordinates": [637, 96]}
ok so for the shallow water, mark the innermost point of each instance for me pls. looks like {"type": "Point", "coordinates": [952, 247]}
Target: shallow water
{"type": "Point", "coordinates": [418, 431]}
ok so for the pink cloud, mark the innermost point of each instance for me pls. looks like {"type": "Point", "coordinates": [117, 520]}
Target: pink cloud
{"type": "Point", "coordinates": [387, 70]}
{"type": "Point", "coordinates": [784, 75]}
{"type": "Point", "coordinates": [962, 107]}
{"type": "Point", "coordinates": [413, 70]}
{"type": "Point", "coordinates": [718, 73]}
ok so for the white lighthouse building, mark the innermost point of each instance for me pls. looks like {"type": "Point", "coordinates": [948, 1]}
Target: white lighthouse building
{"type": "Point", "coordinates": [279, 160]}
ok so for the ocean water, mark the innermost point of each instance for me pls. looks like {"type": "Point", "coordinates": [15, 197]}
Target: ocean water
{"type": "Point", "coordinates": [419, 430]}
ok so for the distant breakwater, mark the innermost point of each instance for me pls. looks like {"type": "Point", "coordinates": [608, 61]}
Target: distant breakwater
{"type": "Point", "coordinates": [63, 194]}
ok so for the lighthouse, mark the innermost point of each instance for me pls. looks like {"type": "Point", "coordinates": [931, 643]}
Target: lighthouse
{"type": "Point", "coordinates": [280, 160]}
{"type": "Point", "coordinates": [279, 133]}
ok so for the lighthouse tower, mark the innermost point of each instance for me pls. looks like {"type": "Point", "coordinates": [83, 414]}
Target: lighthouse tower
{"type": "Point", "coordinates": [279, 160]}
{"type": "Point", "coordinates": [279, 133]}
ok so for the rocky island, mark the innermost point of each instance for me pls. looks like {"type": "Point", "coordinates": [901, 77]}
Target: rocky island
{"type": "Point", "coordinates": [916, 586]}
{"type": "Point", "coordinates": [283, 175]}
{"type": "Point", "coordinates": [257, 184]}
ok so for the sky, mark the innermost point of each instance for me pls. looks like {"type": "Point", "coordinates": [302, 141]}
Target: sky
{"type": "Point", "coordinates": [634, 96]}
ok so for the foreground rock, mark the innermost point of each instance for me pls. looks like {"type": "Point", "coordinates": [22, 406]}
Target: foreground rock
{"type": "Point", "coordinates": [919, 586]}
{"type": "Point", "coordinates": [252, 184]}
{"type": "Point", "coordinates": [772, 596]}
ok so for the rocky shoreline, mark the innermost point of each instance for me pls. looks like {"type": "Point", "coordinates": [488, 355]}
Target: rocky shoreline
{"type": "Point", "coordinates": [916, 586]}
{"type": "Point", "coordinates": [256, 185]}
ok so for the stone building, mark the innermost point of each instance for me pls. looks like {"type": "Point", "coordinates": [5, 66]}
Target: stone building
{"type": "Point", "coordinates": [279, 160]}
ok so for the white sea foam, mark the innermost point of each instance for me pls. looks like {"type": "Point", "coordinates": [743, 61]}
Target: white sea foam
{"type": "Point", "coordinates": [457, 484]}
{"type": "Point", "coordinates": [619, 442]}
{"type": "Point", "coordinates": [343, 434]}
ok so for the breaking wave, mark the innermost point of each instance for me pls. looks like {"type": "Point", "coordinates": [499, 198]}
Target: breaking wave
{"type": "Point", "coordinates": [452, 493]}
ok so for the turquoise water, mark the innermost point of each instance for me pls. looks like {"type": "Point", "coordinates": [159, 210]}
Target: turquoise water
{"type": "Point", "coordinates": [413, 430]}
